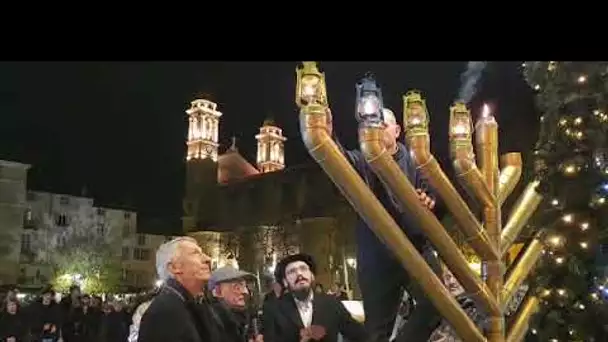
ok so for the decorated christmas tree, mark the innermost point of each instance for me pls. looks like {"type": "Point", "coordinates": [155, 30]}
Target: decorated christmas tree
{"type": "Point", "coordinates": [571, 161]}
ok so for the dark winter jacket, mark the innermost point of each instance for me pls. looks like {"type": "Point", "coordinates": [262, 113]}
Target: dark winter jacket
{"type": "Point", "coordinates": [371, 247]}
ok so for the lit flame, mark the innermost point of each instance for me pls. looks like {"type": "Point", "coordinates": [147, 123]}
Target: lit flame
{"type": "Point", "coordinates": [460, 129]}
{"type": "Point", "coordinates": [309, 90]}
{"type": "Point", "coordinates": [486, 111]}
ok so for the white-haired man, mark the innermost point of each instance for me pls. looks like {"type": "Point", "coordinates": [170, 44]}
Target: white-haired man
{"type": "Point", "coordinates": [174, 314]}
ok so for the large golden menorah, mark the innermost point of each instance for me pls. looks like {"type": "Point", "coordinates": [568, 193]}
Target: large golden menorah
{"type": "Point", "coordinates": [489, 185]}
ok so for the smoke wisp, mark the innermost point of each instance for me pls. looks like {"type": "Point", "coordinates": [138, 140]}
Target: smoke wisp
{"type": "Point", "coordinates": [469, 79]}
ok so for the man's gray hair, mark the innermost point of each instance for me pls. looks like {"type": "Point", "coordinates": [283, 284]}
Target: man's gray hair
{"type": "Point", "coordinates": [165, 253]}
{"type": "Point", "coordinates": [389, 116]}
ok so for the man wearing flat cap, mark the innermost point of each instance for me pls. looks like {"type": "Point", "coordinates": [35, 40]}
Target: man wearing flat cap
{"type": "Point", "coordinates": [300, 315]}
{"type": "Point", "coordinates": [228, 286]}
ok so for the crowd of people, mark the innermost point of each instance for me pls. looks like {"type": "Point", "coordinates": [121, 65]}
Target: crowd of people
{"type": "Point", "coordinates": [77, 317]}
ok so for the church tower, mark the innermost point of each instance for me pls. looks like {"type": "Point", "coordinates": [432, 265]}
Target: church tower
{"type": "Point", "coordinates": [271, 148]}
{"type": "Point", "coordinates": [203, 130]}
{"type": "Point", "coordinates": [200, 198]}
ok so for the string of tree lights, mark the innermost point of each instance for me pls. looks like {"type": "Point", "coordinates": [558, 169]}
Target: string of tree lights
{"type": "Point", "coordinates": [571, 162]}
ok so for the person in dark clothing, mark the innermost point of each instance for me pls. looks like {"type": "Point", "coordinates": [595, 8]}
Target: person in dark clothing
{"type": "Point", "coordinates": [13, 323]}
{"type": "Point", "coordinates": [229, 288]}
{"type": "Point", "coordinates": [115, 324]}
{"type": "Point", "coordinates": [71, 326]}
{"type": "Point", "coordinates": [270, 299]}
{"type": "Point", "coordinates": [302, 315]}
{"type": "Point", "coordinates": [381, 277]}
{"type": "Point", "coordinates": [89, 318]}
{"type": "Point", "coordinates": [275, 292]}
{"type": "Point", "coordinates": [174, 315]}
{"type": "Point", "coordinates": [339, 291]}
{"type": "Point", "coordinates": [45, 317]}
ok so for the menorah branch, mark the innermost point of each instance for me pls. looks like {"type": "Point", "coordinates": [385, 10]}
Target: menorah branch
{"type": "Point", "coordinates": [520, 325]}
{"type": "Point", "coordinates": [471, 179]}
{"type": "Point", "coordinates": [509, 175]}
{"type": "Point", "coordinates": [521, 270]}
{"type": "Point", "coordinates": [521, 213]}
{"type": "Point", "coordinates": [487, 151]}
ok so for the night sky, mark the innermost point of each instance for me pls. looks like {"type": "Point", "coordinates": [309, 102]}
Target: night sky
{"type": "Point", "coordinates": [118, 128]}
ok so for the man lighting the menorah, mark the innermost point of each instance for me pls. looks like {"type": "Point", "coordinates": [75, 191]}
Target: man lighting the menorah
{"type": "Point", "coordinates": [380, 275]}
{"type": "Point", "coordinates": [382, 182]}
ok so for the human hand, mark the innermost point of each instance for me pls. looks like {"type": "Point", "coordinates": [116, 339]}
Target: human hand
{"type": "Point", "coordinates": [259, 338]}
{"type": "Point", "coordinates": [305, 335]}
{"type": "Point", "coordinates": [329, 122]}
{"type": "Point", "coordinates": [317, 332]}
{"type": "Point", "coordinates": [426, 200]}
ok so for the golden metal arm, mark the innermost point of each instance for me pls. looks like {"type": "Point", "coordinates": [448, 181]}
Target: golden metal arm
{"type": "Point", "coordinates": [383, 164]}
{"type": "Point", "coordinates": [520, 326]}
{"type": "Point", "coordinates": [521, 271]}
{"type": "Point", "coordinates": [486, 134]}
{"type": "Point", "coordinates": [525, 207]}
{"type": "Point", "coordinates": [509, 175]}
{"type": "Point", "coordinates": [313, 125]}
{"type": "Point", "coordinates": [465, 219]}
{"type": "Point", "coordinates": [469, 175]}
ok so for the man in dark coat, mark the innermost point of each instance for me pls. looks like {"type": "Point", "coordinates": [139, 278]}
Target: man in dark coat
{"type": "Point", "coordinates": [302, 315]}
{"type": "Point", "coordinates": [174, 315]}
{"type": "Point", "coordinates": [45, 317]}
{"type": "Point", "coordinates": [381, 277]}
{"type": "Point", "coordinates": [115, 324]}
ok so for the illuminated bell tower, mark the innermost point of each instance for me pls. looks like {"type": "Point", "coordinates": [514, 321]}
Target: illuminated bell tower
{"type": "Point", "coordinates": [203, 130]}
{"type": "Point", "coordinates": [271, 149]}
{"type": "Point", "coordinates": [200, 201]}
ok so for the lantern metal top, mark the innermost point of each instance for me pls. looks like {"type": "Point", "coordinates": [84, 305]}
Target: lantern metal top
{"type": "Point", "coordinates": [413, 96]}
{"type": "Point", "coordinates": [460, 107]}
{"type": "Point", "coordinates": [309, 68]}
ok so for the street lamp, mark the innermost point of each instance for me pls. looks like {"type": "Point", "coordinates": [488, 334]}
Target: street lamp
{"type": "Point", "coordinates": [310, 87]}
{"type": "Point", "coordinates": [415, 114]}
{"type": "Point", "coordinates": [369, 102]}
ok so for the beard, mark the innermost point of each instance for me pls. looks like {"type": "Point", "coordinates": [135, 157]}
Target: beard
{"type": "Point", "coordinates": [302, 293]}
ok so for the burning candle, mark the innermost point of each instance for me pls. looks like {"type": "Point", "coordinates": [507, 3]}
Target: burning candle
{"type": "Point", "coordinates": [486, 136]}
{"type": "Point", "coordinates": [486, 116]}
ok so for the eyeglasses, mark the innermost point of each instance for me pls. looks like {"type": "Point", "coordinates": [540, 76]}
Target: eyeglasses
{"type": "Point", "coordinates": [294, 270]}
{"type": "Point", "coordinates": [239, 287]}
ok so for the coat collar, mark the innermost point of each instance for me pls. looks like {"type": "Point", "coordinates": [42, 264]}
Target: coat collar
{"type": "Point", "coordinates": [173, 286]}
